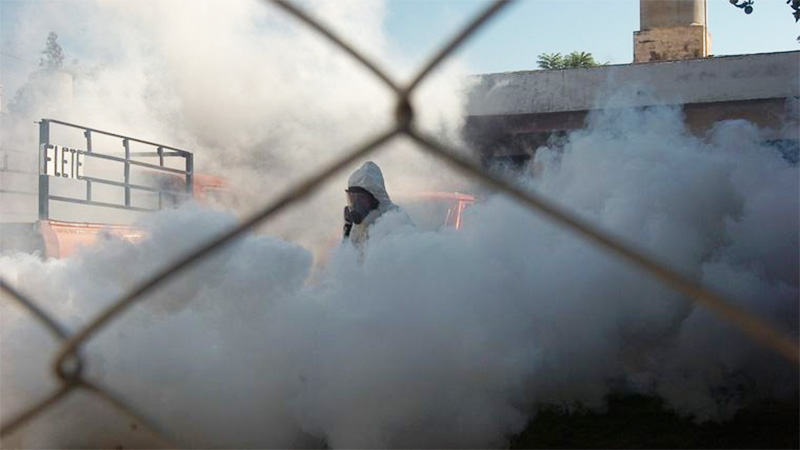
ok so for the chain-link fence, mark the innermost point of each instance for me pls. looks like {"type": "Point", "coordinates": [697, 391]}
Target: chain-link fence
{"type": "Point", "coordinates": [68, 363]}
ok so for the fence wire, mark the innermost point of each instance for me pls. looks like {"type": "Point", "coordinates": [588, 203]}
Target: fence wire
{"type": "Point", "coordinates": [68, 364]}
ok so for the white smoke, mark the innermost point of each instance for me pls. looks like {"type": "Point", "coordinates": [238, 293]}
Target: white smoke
{"type": "Point", "coordinates": [260, 98]}
{"type": "Point", "coordinates": [437, 339]}
{"type": "Point", "coordinates": [449, 338]}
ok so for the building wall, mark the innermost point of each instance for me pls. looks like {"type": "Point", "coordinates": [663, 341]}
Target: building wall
{"type": "Point", "coordinates": [727, 78]}
{"type": "Point", "coordinates": [513, 113]}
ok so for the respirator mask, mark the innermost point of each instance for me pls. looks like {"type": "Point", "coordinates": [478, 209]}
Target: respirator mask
{"type": "Point", "coordinates": [359, 203]}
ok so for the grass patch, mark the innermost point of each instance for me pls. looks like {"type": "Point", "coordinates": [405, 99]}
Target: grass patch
{"type": "Point", "coordinates": [638, 421]}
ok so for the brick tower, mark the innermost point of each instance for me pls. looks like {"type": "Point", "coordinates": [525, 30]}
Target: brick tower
{"type": "Point", "coordinates": [671, 30]}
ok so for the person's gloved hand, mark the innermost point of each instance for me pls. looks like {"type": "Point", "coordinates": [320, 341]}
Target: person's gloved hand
{"type": "Point", "coordinates": [348, 222]}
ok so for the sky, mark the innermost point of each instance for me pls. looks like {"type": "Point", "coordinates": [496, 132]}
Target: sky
{"type": "Point", "coordinates": [605, 28]}
{"type": "Point", "coordinates": [514, 39]}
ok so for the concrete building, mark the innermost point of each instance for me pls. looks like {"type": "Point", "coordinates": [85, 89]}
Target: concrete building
{"type": "Point", "coordinates": [509, 115]}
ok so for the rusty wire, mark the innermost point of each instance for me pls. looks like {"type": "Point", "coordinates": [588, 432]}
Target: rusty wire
{"type": "Point", "coordinates": [58, 330]}
{"type": "Point", "coordinates": [34, 410]}
{"type": "Point", "coordinates": [72, 378]}
{"type": "Point", "coordinates": [747, 323]}
{"type": "Point", "coordinates": [316, 25]}
{"type": "Point", "coordinates": [162, 437]}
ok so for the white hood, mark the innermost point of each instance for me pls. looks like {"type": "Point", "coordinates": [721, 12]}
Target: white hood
{"type": "Point", "coordinates": [369, 177]}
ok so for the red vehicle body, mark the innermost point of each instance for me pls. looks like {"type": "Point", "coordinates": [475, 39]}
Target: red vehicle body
{"type": "Point", "coordinates": [432, 211]}
{"type": "Point", "coordinates": [62, 239]}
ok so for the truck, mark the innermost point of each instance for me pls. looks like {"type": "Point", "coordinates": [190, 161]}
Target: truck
{"type": "Point", "coordinates": [434, 210]}
{"type": "Point", "coordinates": [86, 182]}
{"type": "Point", "coordinates": [82, 183]}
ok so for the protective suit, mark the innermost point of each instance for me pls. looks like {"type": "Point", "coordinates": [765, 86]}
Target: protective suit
{"type": "Point", "coordinates": [367, 202]}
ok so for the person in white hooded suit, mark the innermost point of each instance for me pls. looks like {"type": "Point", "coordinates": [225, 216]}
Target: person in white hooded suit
{"type": "Point", "coordinates": [368, 201]}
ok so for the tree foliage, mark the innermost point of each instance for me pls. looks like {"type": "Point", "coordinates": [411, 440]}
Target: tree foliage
{"type": "Point", "coordinates": [550, 61]}
{"type": "Point", "coordinates": [52, 55]}
{"type": "Point", "coordinates": [747, 6]}
{"type": "Point", "coordinates": [573, 60]}
{"type": "Point", "coordinates": [580, 59]}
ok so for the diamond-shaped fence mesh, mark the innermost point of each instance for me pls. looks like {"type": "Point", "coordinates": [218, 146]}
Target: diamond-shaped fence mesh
{"type": "Point", "coordinates": [68, 363]}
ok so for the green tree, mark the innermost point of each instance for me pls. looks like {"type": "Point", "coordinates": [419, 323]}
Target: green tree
{"type": "Point", "coordinates": [573, 60]}
{"type": "Point", "coordinates": [52, 55]}
{"type": "Point", "coordinates": [550, 61]}
{"type": "Point", "coordinates": [580, 59]}
{"type": "Point", "coordinates": [747, 6]}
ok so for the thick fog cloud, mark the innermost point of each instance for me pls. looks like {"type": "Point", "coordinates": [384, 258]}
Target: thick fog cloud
{"type": "Point", "coordinates": [438, 339]}
{"type": "Point", "coordinates": [441, 339]}
{"type": "Point", "coordinates": [260, 98]}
